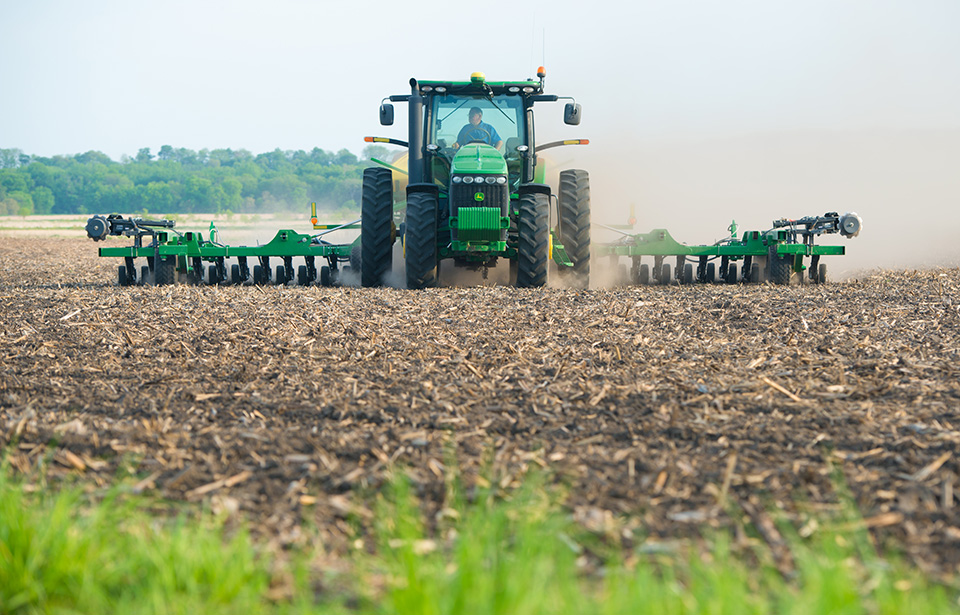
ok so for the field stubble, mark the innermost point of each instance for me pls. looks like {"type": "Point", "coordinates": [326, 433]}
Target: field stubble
{"type": "Point", "coordinates": [666, 410]}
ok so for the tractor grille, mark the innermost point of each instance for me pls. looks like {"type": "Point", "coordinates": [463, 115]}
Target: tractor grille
{"type": "Point", "coordinates": [465, 195]}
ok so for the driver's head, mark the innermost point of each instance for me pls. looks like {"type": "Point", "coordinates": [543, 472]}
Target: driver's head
{"type": "Point", "coordinates": [475, 116]}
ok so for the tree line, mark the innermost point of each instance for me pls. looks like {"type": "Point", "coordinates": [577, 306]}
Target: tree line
{"type": "Point", "coordinates": [180, 180]}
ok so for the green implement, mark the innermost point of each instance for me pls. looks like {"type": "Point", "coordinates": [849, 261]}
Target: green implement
{"type": "Point", "coordinates": [776, 255]}
{"type": "Point", "coordinates": [172, 256]}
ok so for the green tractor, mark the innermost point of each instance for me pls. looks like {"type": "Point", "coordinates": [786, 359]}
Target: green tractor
{"type": "Point", "coordinates": [474, 190]}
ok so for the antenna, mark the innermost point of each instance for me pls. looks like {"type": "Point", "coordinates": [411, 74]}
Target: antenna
{"type": "Point", "coordinates": [543, 53]}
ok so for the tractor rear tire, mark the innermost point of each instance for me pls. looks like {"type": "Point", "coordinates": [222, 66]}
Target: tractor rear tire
{"type": "Point", "coordinates": [574, 205]}
{"type": "Point", "coordinates": [533, 238]}
{"type": "Point", "coordinates": [420, 241]}
{"type": "Point", "coordinates": [376, 226]}
{"type": "Point", "coordinates": [780, 267]}
{"type": "Point", "coordinates": [165, 270]}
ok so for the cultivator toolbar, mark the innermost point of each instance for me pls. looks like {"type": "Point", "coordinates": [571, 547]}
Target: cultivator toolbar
{"type": "Point", "coordinates": [172, 256]}
{"type": "Point", "coordinates": [776, 255]}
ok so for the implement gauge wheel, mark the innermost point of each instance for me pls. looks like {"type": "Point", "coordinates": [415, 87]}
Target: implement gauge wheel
{"type": "Point", "coordinates": [574, 199]}
{"type": "Point", "coordinates": [666, 274]}
{"type": "Point", "coordinates": [780, 267]}
{"type": "Point", "coordinates": [376, 226]}
{"type": "Point", "coordinates": [165, 270]}
{"type": "Point", "coordinates": [732, 271]}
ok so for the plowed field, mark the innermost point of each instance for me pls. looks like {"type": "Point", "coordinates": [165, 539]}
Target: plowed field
{"type": "Point", "coordinates": [663, 408]}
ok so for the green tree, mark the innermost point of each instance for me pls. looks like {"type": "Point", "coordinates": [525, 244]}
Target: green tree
{"type": "Point", "coordinates": [10, 158]}
{"type": "Point", "coordinates": [379, 152]}
{"type": "Point", "coordinates": [345, 157]}
{"type": "Point", "coordinates": [42, 200]}
{"type": "Point", "coordinates": [24, 202]}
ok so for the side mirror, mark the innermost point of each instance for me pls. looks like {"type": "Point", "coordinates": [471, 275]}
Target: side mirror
{"type": "Point", "coordinates": [386, 115]}
{"type": "Point", "coordinates": [571, 114]}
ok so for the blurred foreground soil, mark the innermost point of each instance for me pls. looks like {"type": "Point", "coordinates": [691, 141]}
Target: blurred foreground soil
{"type": "Point", "coordinates": [667, 410]}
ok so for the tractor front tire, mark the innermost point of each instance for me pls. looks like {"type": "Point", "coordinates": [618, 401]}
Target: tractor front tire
{"type": "Point", "coordinates": [376, 226]}
{"type": "Point", "coordinates": [533, 239]}
{"type": "Point", "coordinates": [420, 240]}
{"type": "Point", "coordinates": [574, 207]}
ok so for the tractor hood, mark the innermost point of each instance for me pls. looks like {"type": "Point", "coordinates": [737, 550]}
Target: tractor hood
{"type": "Point", "coordinates": [479, 158]}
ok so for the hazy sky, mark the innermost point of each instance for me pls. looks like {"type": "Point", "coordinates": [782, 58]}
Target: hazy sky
{"type": "Point", "coordinates": [698, 111]}
{"type": "Point", "coordinates": [116, 76]}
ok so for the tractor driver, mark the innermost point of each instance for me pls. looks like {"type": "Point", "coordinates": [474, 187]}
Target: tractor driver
{"type": "Point", "coordinates": [476, 130]}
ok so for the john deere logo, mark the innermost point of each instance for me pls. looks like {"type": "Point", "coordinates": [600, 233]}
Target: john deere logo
{"type": "Point", "coordinates": [478, 196]}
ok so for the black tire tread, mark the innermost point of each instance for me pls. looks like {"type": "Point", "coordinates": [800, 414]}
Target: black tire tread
{"type": "Point", "coordinates": [420, 241]}
{"type": "Point", "coordinates": [376, 225]}
{"type": "Point", "coordinates": [780, 267]}
{"type": "Point", "coordinates": [165, 270]}
{"type": "Point", "coordinates": [533, 240]}
{"type": "Point", "coordinates": [574, 205]}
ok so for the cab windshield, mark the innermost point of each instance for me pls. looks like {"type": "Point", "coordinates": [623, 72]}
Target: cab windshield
{"type": "Point", "coordinates": [451, 120]}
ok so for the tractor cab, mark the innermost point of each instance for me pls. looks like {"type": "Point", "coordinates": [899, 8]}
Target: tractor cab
{"type": "Point", "coordinates": [459, 142]}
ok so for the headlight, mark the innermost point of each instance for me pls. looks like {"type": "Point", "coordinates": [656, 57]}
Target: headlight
{"type": "Point", "coordinates": [491, 180]}
{"type": "Point", "coordinates": [501, 180]}
{"type": "Point", "coordinates": [478, 180]}
{"type": "Point", "coordinates": [457, 179]}
{"type": "Point", "coordinates": [468, 180]}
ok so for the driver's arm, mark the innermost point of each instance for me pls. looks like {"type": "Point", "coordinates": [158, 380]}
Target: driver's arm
{"type": "Point", "coordinates": [499, 144]}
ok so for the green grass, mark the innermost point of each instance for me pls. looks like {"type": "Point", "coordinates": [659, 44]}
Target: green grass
{"type": "Point", "coordinates": [64, 551]}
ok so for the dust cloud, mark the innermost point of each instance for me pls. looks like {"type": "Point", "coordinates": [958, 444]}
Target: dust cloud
{"type": "Point", "coordinates": [904, 184]}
